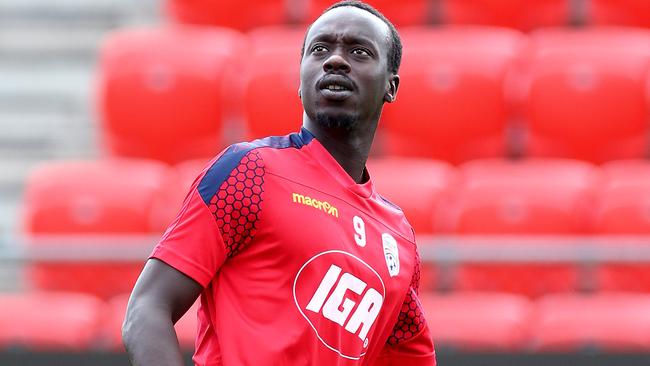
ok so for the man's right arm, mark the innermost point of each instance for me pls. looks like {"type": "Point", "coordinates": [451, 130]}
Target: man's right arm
{"type": "Point", "coordinates": [160, 297]}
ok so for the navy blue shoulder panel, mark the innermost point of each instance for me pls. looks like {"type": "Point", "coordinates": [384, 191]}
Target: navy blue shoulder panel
{"type": "Point", "coordinates": [390, 203]}
{"type": "Point", "coordinates": [221, 169]}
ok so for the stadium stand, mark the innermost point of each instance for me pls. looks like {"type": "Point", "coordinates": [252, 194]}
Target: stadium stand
{"type": "Point", "coordinates": [587, 94]}
{"type": "Point", "coordinates": [422, 198]}
{"type": "Point", "coordinates": [478, 321]}
{"type": "Point", "coordinates": [443, 72]}
{"type": "Point", "coordinates": [177, 184]}
{"type": "Point", "coordinates": [403, 13]}
{"type": "Point", "coordinates": [275, 61]}
{"type": "Point", "coordinates": [520, 14]}
{"type": "Point", "coordinates": [528, 197]}
{"type": "Point", "coordinates": [169, 93]}
{"type": "Point", "coordinates": [613, 321]}
{"type": "Point", "coordinates": [49, 321]}
{"type": "Point", "coordinates": [623, 208]}
{"type": "Point", "coordinates": [164, 87]}
{"type": "Point", "coordinates": [74, 203]}
{"type": "Point", "coordinates": [620, 12]}
{"type": "Point", "coordinates": [531, 196]}
{"type": "Point", "coordinates": [242, 15]}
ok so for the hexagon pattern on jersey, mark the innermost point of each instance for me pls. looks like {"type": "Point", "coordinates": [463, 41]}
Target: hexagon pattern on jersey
{"type": "Point", "coordinates": [411, 318]}
{"type": "Point", "coordinates": [236, 206]}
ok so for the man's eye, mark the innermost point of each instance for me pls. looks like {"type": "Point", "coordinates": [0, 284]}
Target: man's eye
{"type": "Point", "coordinates": [318, 49]}
{"type": "Point", "coordinates": [360, 52]}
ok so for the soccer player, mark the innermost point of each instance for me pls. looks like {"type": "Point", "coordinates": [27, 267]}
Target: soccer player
{"type": "Point", "coordinates": [296, 258]}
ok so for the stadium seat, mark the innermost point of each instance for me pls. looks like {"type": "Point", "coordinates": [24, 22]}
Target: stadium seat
{"type": "Point", "coordinates": [471, 321]}
{"type": "Point", "coordinates": [80, 203]}
{"type": "Point", "coordinates": [586, 96]}
{"type": "Point", "coordinates": [186, 327]}
{"type": "Point", "coordinates": [50, 321]}
{"type": "Point", "coordinates": [402, 13]}
{"type": "Point", "coordinates": [634, 13]}
{"type": "Point", "coordinates": [530, 197]}
{"type": "Point", "coordinates": [536, 196]}
{"type": "Point", "coordinates": [165, 93]}
{"type": "Point", "coordinates": [520, 14]}
{"type": "Point", "coordinates": [420, 187]}
{"type": "Point", "coordinates": [611, 322]}
{"type": "Point", "coordinates": [178, 182]}
{"type": "Point", "coordinates": [242, 15]}
{"type": "Point", "coordinates": [451, 103]}
{"type": "Point", "coordinates": [624, 209]}
{"type": "Point", "coordinates": [624, 205]}
{"type": "Point", "coordinates": [274, 61]}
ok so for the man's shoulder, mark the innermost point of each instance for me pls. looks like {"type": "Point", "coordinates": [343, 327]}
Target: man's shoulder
{"type": "Point", "coordinates": [243, 157]}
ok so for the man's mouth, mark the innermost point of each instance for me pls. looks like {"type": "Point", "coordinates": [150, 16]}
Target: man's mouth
{"type": "Point", "coordinates": [335, 87]}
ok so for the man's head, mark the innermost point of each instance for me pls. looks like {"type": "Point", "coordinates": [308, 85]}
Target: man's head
{"type": "Point", "coordinates": [350, 58]}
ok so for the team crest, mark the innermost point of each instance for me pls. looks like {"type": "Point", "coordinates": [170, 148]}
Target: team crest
{"type": "Point", "coordinates": [391, 254]}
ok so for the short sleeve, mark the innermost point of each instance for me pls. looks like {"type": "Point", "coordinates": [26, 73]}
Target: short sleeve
{"type": "Point", "coordinates": [219, 216]}
{"type": "Point", "coordinates": [410, 343]}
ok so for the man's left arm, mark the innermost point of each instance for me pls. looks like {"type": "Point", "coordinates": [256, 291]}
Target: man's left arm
{"type": "Point", "coordinates": [410, 343]}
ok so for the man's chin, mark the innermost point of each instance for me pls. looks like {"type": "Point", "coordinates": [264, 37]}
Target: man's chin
{"type": "Point", "coordinates": [337, 121]}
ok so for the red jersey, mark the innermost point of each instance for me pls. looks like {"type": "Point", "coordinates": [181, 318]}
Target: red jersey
{"type": "Point", "coordinates": [300, 265]}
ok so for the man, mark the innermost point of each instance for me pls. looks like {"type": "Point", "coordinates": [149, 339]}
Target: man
{"type": "Point", "coordinates": [298, 261]}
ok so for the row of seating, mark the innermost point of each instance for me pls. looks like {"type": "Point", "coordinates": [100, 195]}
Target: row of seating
{"type": "Point", "coordinates": [521, 14]}
{"type": "Point", "coordinates": [536, 196]}
{"type": "Point", "coordinates": [464, 321]}
{"type": "Point", "coordinates": [72, 322]}
{"type": "Point", "coordinates": [116, 197]}
{"type": "Point", "coordinates": [176, 93]}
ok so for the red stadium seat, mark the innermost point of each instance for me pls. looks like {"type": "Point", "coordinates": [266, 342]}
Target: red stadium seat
{"type": "Point", "coordinates": [624, 204]}
{"type": "Point", "coordinates": [186, 327]}
{"type": "Point", "coordinates": [520, 14]}
{"type": "Point", "coordinates": [611, 322]}
{"type": "Point", "coordinates": [620, 12]}
{"type": "Point", "coordinates": [624, 209]}
{"type": "Point", "coordinates": [420, 187]}
{"type": "Point", "coordinates": [242, 15]}
{"type": "Point", "coordinates": [478, 321]}
{"type": "Point", "coordinates": [402, 13]}
{"type": "Point", "coordinates": [54, 321]}
{"type": "Point", "coordinates": [586, 97]}
{"type": "Point", "coordinates": [537, 196]}
{"type": "Point", "coordinates": [81, 202]}
{"type": "Point", "coordinates": [176, 187]}
{"type": "Point", "coordinates": [524, 198]}
{"type": "Point", "coordinates": [164, 92]}
{"type": "Point", "coordinates": [451, 103]}
{"type": "Point", "coordinates": [275, 64]}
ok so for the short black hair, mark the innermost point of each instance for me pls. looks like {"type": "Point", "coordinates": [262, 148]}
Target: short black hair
{"type": "Point", "coordinates": [395, 51]}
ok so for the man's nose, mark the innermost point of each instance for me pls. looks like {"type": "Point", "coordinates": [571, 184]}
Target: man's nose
{"type": "Point", "coordinates": [336, 63]}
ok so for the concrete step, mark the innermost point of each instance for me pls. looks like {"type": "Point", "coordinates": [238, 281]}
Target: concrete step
{"type": "Point", "coordinates": [104, 13]}
{"type": "Point", "coordinates": [62, 85]}
{"type": "Point", "coordinates": [42, 44]}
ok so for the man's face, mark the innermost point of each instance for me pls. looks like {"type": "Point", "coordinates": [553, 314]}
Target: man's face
{"type": "Point", "coordinates": [343, 73]}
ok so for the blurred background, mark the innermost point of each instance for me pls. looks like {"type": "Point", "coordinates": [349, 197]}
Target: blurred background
{"type": "Point", "coordinates": [518, 148]}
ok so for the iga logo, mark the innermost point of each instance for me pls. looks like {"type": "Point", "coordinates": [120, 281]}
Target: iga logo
{"type": "Point", "coordinates": [341, 297]}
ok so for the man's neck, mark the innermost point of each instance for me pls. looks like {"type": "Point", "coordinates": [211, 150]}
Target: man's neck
{"type": "Point", "coordinates": [350, 148]}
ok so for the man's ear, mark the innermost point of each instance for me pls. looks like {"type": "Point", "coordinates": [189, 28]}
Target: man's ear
{"type": "Point", "coordinates": [391, 89]}
{"type": "Point", "coordinates": [299, 93]}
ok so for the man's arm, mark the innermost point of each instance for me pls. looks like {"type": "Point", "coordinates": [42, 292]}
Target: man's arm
{"type": "Point", "coordinates": [160, 297]}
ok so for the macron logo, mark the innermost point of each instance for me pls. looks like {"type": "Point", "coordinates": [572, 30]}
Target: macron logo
{"type": "Point", "coordinates": [317, 204]}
